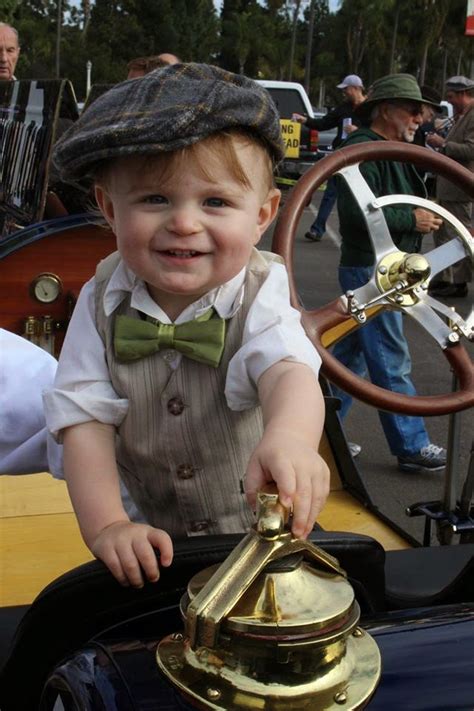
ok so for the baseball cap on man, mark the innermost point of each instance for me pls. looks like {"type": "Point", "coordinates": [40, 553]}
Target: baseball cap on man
{"type": "Point", "coordinates": [167, 109]}
{"type": "Point", "coordinates": [350, 80]}
{"type": "Point", "coordinates": [459, 83]}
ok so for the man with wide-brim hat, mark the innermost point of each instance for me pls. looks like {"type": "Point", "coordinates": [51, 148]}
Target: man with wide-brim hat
{"type": "Point", "coordinates": [459, 145]}
{"type": "Point", "coordinates": [392, 111]}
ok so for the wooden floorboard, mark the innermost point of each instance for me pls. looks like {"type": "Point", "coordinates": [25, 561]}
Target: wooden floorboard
{"type": "Point", "coordinates": [40, 539]}
{"type": "Point", "coordinates": [34, 551]}
{"type": "Point", "coordinates": [344, 513]}
{"type": "Point", "coordinates": [32, 494]}
{"type": "Point", "coordinates": [39, 536]}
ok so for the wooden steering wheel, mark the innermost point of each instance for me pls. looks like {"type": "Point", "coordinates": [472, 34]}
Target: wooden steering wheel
{"type": "Point", "coordinates": [400, 281]}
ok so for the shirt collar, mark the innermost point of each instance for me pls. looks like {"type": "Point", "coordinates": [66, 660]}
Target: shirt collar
{"type": "Point", "coordinates": [225, 299]}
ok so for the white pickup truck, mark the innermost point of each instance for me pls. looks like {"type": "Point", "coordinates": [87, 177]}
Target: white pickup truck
{"type": "Point", "coordinates": [301, 142]}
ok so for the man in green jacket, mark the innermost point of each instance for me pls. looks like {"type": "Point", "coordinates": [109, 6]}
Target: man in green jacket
{"type": "Point", "coordinates": [392, 111]}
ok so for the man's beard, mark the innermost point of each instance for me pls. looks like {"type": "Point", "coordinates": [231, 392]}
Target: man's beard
{"type": "Point", "coordinates": [406, 133]}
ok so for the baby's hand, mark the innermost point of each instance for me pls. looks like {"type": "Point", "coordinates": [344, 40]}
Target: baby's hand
{"type": "Point", "coordinates": [128, 550]}
{"type": "Point", "coordinates": [300, 473]}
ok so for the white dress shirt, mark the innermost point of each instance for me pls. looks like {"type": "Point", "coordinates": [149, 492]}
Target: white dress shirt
{"type": "Point", "coordinates": [272, 332]}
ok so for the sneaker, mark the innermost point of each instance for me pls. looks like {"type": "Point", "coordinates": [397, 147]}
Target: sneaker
{"type": "Point", "coordinates": [313, 236]}
{"type": "Point", "coordinates": [436, 284]}
{"type": "Point", "coordinates": [430, 458]}
{"type": "Point", "coordinates": [354, 449]}
{"type": "Point", "coordinates": [456, 291]}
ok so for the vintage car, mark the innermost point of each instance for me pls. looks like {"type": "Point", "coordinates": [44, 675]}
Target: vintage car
{"type": "Point", "coordinates": [361, 619]}
{"type": "Point", "coordinates": [47, 251]}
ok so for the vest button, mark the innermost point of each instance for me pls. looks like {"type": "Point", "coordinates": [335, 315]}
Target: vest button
{"type": "Point", "coordinates": [175, 406]}
{"type": "Point", "coordinates": [169, 355]}
{"type": "Point", "coordinates": [198, 526]}
{"type": "Point", "coordinates": [185, 471]}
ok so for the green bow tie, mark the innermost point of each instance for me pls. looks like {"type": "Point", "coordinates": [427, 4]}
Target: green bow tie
{"type": "Point", "coordinates": [201, 339]}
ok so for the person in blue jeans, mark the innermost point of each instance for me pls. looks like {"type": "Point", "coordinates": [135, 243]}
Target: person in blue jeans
{"type": "Point", "coordinates": [394, 111]}
{"type": "Point", "coordinates": [344, 118]}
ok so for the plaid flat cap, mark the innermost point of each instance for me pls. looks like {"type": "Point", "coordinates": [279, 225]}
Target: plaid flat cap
{"type": "Point", "coordinates": [459, 83]}
{"type": "Point", "coordinates": [166, 110]}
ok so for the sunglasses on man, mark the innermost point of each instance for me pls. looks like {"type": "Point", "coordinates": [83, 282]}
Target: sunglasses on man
{"type": "Point", "coordinates": [413, 109]}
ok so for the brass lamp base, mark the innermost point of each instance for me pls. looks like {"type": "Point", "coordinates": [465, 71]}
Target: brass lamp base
{"type": "Point", "coordinates": [275, 627]}
{"type": "Point", "coordinates": [210, 681]}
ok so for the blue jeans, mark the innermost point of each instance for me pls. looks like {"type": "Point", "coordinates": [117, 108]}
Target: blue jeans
{"type": "Point", "coordinates": [325, 208]}
{"type": "Point", "coordinates": [379, 348]}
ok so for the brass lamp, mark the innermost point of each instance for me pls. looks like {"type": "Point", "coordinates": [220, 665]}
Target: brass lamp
{"type": "Point", "coordinates": [272, 628]}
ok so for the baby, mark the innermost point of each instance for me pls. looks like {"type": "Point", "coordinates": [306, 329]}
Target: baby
{"type": "Point", "coordinates": [185, 372]}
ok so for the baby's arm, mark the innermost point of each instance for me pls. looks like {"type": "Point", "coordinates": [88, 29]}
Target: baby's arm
{"type": "Point", "coordinates": [293, 414]}
{"type": "Point", "coordinates": [93, 482]}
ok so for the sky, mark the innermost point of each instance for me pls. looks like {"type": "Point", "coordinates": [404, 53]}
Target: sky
{"type": "Point", "coordinates": [333, 4]}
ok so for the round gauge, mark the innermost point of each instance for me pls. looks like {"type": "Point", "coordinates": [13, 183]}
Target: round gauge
{"type": "Point", "coordinates": [46, 288]}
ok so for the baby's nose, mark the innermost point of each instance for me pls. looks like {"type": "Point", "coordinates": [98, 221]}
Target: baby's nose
{"type": "Point", "coordinates": [184, 222]}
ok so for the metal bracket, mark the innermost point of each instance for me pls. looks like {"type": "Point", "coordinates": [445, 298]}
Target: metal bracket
{"type": "Point", "coordinates": [456, 521]}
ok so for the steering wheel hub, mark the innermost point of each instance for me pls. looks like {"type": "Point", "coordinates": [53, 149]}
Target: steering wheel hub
{"type": "Point", "coordinates": [398, 275]}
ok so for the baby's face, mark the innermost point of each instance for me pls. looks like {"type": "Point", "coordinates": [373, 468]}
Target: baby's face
{"type": "Point", "coordinates": [185, 234]}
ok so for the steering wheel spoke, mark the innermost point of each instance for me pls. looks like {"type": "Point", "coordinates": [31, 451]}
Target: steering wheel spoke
{"type": "Point", "coordinates": [445, 255]}
{"type": "Point", "coordinates": [424, 314]}
{"type": "Point", "coordinates": [464, 327]}
{"type": "Point", "coordinates": [374, 218]}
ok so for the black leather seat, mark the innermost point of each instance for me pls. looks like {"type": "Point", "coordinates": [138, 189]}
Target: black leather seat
{"type": "Point", "coordinates": [10, 618]}
{"type": "Point", "coordinates": [87, 600]}
{"type": "Point", "coordinates": [429, 576]}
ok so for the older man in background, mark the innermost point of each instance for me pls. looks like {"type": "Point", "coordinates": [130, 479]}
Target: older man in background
{"type": "Point", "coordinates": [392, 111]}
{"type": "Point", "coordinates": [459, 145]}
{"type": "Point", "coordinates": [9, 51]}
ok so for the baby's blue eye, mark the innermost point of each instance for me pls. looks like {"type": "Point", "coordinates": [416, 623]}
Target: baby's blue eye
{"type": "Point", "coordinates": [155, 199]}
{"type": "Point", "coordinates": [215, 202]}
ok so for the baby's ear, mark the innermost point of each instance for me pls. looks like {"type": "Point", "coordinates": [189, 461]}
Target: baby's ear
{"type": "Point", "coordinates": [105, 204]}
{"type": "Point", "coordinates": [268, 210]}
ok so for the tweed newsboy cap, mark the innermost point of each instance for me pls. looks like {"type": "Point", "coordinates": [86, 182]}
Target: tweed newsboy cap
{"type": "Point", "coordinates": [165, 110]}
{"type": "Point", "coordinates": [459, 83]}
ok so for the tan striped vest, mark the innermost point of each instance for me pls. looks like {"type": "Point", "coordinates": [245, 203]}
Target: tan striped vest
{"type": "Point", "coordinates": [180, 450]}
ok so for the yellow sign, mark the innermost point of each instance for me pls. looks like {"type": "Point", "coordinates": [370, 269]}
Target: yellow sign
{"type": "Point", "coordinates": [291, 132]}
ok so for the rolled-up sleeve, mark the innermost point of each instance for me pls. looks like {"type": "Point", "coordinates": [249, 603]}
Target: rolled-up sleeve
{"type": "Point", "coordinates": [272, 332]}
{"type": "Point", "coordinates": [82, 389]}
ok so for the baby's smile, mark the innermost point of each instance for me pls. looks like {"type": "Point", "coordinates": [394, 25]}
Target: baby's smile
{"type": "Point", "coordinates": [182, 253]}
